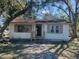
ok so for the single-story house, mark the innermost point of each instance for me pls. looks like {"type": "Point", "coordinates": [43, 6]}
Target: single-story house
{"type": "Point", "coordinates": [48, 29]}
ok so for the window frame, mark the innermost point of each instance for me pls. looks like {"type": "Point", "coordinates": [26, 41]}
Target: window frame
{"type": "Point", "coordinates": [16, 28]}
{"type": "Point", "coordinates": [54, 28]}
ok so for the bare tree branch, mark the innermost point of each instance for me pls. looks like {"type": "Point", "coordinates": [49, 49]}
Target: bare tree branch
{"type": "Point", "coordinates": [66, 2]}
{"type": "Point", "coordinates": [61, 9]}
{"type": "Point", "coordinates": [77, 7]}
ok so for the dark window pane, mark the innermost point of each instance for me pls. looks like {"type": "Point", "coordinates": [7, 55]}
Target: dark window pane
{"type": "Point", "coordinates": [52, 29]}
{"type": "Point", "coordinates": [22, 28]}
{"type": "Point", "coordinates": [57, 29]}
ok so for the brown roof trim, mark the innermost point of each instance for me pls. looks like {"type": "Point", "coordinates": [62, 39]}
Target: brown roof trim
{"type": "Point", "coordinates": [21, 20]}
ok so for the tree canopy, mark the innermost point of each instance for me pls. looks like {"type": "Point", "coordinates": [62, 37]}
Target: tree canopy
{"type": "Point", "coordinates": [11, 9]}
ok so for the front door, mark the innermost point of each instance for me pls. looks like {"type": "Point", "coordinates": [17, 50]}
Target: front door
{"type": "Point", "coordinates": [38, 30]}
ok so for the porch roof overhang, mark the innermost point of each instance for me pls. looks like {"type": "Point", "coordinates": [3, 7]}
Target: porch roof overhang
{"type": "Point", "coordinates": [21, 20]}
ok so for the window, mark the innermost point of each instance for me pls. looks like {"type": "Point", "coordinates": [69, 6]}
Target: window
{"type": "Point", "coordinates": [23, 28]}
{"type": "Point", "coordinates": [55, 28]}
{"type": "Point", "coordinates": [52, 30]}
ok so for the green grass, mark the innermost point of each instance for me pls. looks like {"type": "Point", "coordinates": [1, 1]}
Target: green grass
{"type": "Point", "coordinates": [18, 50]}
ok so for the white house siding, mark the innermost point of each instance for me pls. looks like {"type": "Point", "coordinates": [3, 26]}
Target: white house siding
{"type": "Point", "coordinates": [21, 35]}
{"type": "Point", "coordinates": [50, 36]}
{"type": "Point", "coordinates": [18, 34]}
{"type": "Point", "coordinates": [58, 36]}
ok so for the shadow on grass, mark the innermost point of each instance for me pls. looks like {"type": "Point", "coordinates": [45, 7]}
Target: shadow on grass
{"type": "Point", "coordinates": [45, 54]}
{"type": "Point", "coordinates": [19, 48]}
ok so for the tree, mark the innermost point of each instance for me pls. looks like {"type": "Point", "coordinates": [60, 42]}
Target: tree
{"type": "Point", "coordinates": [11, 9]}
{"type": "Point", "coordinates": [71, 9]}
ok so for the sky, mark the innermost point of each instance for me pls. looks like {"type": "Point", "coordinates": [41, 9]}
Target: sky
{"type": "Point", "coordinates": [48, 9]}
{"type": "Point", "coordinates": [54, 10]}
{"type": "Point", "coordinates": [1, 20]}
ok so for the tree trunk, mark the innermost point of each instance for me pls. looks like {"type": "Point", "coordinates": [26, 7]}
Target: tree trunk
{"type": "Point", "coordinates": [13, 17]}
{"type": "Point", "coordinates": [74, 31]}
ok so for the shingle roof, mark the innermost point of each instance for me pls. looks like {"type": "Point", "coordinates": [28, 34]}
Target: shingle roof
{"type": "Point", "coordinates": [22, 20]}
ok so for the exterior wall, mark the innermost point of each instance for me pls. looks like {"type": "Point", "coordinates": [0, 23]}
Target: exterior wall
{"type": "Point", "coordinates": [57, 36]}
{"type": "Point", "coordinates": [50, 36]}
{"type": "Point", "coordinates": [21, 35]}
{"type": "Point", "coordinates": [18, 34]}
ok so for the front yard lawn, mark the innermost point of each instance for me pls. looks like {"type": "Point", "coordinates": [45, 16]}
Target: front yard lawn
{"type": "Point", "coordinates": [23, 50]}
